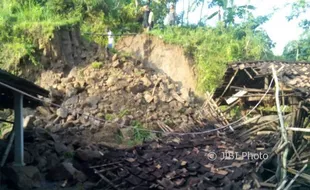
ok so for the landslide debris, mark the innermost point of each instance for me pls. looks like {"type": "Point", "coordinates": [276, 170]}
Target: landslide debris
{"type": "Point", "coordinates": [103, 98]}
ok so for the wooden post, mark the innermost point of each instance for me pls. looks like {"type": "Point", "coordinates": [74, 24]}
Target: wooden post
{"type": "Point", "coordinates": [19, 130]}
{"type": "Point", "coordinates": [266, 82]}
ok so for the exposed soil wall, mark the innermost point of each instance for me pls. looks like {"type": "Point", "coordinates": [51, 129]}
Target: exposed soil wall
{"type": "Point", "coordinates": [66, 45]}
{"type": "Point", "coordinates": [162, 57]}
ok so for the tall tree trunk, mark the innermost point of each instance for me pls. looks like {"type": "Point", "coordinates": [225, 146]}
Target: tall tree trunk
{"type": "Point", "coordinates": [220, 14]}
{"type": "Point", "coordinates": [203, 4]}
{"type": "Point", "coordinates": [188, 10]}
{"type": "Point", "coordinates": [137, 5]}
{"type": "Point", "coordinates": [183, 15]}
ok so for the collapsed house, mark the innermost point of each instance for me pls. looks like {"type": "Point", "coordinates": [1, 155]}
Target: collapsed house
{"type": "Point", "coordinates": [250, 88]}
{"type": "Point", "coordinates": [245, 83]}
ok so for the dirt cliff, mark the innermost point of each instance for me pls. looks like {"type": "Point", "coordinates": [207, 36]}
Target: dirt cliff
{"type": "Point", "coordinates": [162, 57]}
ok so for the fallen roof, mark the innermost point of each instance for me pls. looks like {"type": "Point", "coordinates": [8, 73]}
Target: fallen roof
{"type": "Point", "coordinates": [295, 75]}
{"type": "Point", "coordinates": [6, 94]}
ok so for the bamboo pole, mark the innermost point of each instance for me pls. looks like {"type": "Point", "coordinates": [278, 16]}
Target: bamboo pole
{"type": "Point", "coordinates": [298, 129]}
{"type": "Point", "coordinates": [282, 128]}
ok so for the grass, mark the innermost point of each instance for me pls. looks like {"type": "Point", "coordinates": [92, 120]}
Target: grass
{"type": "Point", "coordinates": [111, 117]}
{"type": "Point", "coordinates": [139, 135]}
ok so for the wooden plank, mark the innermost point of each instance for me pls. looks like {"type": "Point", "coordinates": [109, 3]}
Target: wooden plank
{"type": "Point", "coordinates": [227, 86]}
{"type": "Point", "coordinates": [236, 96]}
{"type": "Point", "coordinates": [247, 72]}
{"type": "Point", "coordinates": [257, 90]}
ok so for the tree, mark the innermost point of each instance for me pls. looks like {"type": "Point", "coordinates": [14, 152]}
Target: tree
{"type": "Point", "coordinates": [228, 11]}
{"type": "Point", "coordinates": [298, 50]}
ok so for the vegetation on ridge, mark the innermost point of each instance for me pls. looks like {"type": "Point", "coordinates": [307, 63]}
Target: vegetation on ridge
{"type": "Point", "coordinates": [27, 25]}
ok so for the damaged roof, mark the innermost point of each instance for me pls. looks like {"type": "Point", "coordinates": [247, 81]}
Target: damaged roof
{"type": "Point", "coordinates": [6, 94]}
{"type": "Point", "coordinates": [294, 75]}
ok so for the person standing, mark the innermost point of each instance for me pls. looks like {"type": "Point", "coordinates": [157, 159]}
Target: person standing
{"type": "Point", "coordinates": [146, 13]}
{"type": "Point", "coordinates": [171, 16]}
{"type": "Point", "coordinates": [110, 44]}
{"type": "Point", "coordinates": [151, 20]}
{"type": "Point", "coordinates": [110, 39]}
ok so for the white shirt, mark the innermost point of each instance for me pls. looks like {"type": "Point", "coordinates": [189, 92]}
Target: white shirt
{"type": "Point", "coordinates": [110, 37]}
{"type": "Point", "coordinates": [151, 17]}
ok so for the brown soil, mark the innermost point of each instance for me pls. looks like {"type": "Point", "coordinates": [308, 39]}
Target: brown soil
{"type": "Point", "coordinates": [162, 57]}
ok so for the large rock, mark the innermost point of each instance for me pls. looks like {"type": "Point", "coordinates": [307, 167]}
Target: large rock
{"type": "Point", "coordinates": [87, 155]}
{"type": "Point", "coordinates": [23, 178]}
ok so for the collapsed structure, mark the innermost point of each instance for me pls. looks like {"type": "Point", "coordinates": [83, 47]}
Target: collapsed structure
{"type": "Point", "coordinates": [250, 87]}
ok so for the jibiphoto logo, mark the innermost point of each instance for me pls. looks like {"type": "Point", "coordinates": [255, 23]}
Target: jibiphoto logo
{"type": "Point", "coordinates": [231, 155]}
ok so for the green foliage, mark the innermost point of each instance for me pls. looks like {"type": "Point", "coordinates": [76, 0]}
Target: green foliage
{"type": "Point", "coordinates": [4, 127]}
{"type": "Point", "coordinates": [213, 48]}
{"type": "Point", "coordinates": [109, 117]}
{"type": "Point", "coordinates": [124, 112]}
{"type": "Point", "coordinates": [97, 65]}
{"type": "Point", "coordinates": [298, 50]}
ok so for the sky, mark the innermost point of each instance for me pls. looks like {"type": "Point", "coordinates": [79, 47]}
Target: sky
{"type": "Point", "coordinates": [278, 28]}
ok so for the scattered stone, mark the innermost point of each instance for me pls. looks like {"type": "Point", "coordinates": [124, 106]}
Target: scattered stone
{"type": "Point", "coordinates": [29, 121]}
{"type": "Point", "coordinates": [116, 63]}
{"type": "Point", "coordinates": [111, 81]}
{"type": "Point", "coordinates": [62, 112]}
{"type": "Point", "coordinates": [44, 111]}
{"type": "Point", "coordinates": [146, 81]}
{"type": "Point", "coordinates": [114, 58]}
{"type": "Point", "coordinates": [148, 97]}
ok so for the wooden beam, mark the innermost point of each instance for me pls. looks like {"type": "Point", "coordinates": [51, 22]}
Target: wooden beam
{"type": "Point", "coordinates": [256, 73]}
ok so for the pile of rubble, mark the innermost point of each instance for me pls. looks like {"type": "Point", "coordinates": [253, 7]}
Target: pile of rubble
{"type": "Point", "coordinates": [197, 162]}
{"type": "Point", "coordinates": [105, 97]}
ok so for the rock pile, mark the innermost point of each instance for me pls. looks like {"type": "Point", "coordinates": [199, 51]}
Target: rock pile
{"type": "Point", "coordinates": [104, 97]}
